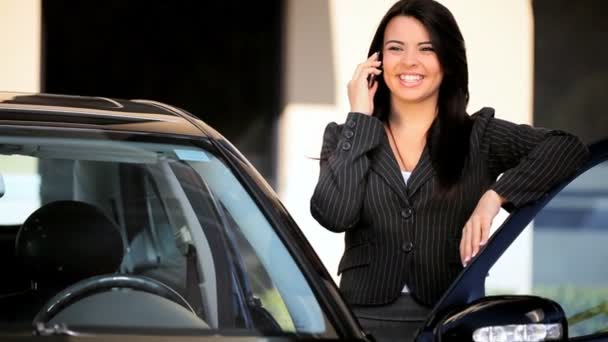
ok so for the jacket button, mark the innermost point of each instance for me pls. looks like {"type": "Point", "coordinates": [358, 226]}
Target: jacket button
{"type": "Point", "coordinates": [407, 247]}
{"type": "Point", "coordinates": [351, 123]}
{"type": "Point", "coordinates": [346, 146]}
{"type": "Point", "coordinates": [349, 134]}
{"type": "Point", "coordinates": [406, 213]}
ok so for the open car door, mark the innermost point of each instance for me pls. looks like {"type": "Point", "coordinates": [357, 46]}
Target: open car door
{"type": "Point", "coordinates": [566, 291]}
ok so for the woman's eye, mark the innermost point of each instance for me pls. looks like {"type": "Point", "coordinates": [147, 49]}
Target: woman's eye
{"type": "Point", "coordinates": [394, 48]}
{"type": "Point", "coordinates": [427, 48]}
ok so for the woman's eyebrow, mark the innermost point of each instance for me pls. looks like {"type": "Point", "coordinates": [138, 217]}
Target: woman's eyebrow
{"type": "Point", "coordinates": [394, 41]}
{"type": "Point", "coordinates": [402, 43]}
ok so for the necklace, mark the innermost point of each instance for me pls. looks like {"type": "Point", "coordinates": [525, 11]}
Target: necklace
{"type": "Point", "coordinates": [390, 132]}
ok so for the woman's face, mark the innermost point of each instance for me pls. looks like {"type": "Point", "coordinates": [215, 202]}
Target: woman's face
{"type": "Point", "coordinates": [412, 70]}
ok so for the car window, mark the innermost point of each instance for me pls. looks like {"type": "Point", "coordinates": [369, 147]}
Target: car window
{"type": "Point", "coordinates": [562, 255]}
{"type": "Point", "coordinates": [126, 234]}
{"type": "Point", "coordinates": [19, 172]}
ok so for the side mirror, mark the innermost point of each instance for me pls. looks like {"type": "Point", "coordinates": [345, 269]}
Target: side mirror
{"type": "Point", "coordinates": [505, 318]}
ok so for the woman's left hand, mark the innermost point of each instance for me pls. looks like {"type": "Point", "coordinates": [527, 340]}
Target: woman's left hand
{"type": "Point", "coordinates": [477, 229]}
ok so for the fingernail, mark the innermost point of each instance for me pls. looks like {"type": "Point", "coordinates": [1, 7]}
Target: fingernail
{"type": "Point", "coordinates": [464, 264]}
{"type": "Point", "coordinates": [467, 259]}
{"type": "Point", "coordinates": [482, 243]}
{"type": "Point", "coordinates": [474, 254]}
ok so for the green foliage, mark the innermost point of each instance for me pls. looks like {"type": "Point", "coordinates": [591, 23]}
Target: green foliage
{"type": "Point", "coordinates": [272, 301]}
{"type": "Point", "coordinates": [586, 307]}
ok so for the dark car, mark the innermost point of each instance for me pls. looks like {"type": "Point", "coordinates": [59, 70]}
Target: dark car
{"type": "Point", "coordinates": [134, 220]}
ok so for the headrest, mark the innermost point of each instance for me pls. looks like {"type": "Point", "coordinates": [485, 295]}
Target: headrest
{"type": "Point", "coordinates": [66, 241]}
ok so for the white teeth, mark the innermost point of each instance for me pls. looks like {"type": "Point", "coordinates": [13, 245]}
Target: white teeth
{"type": "Point", "coordinates": [410, 78]}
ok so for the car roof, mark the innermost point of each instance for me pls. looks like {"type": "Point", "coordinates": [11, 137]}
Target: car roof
{"type": "Point", "coordinates": [109, 114]}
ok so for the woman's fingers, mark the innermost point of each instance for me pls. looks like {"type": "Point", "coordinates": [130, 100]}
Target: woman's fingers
{"type": "Point", "coordinates": [356, 81]}
{"type": "Point", "coordinates": [370, 62]}
{"type": "Point", "coordinates": [462, 249]}
{"type": "Point", "coordinates": [485, 232]}
{"type": "Point", "coordinates": [467, 237]}
{"type": "Point", "coordinates": [364, 70]}
{"type": "Point", "coordinates": [476, 231]}
{"type": "Point", "coordinates": [360, 94]}
{"type": "Point", "coordinates": [475, 235]}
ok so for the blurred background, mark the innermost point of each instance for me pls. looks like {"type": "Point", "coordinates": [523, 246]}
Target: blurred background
{"type": "Point", "coordinates": [270, 75]}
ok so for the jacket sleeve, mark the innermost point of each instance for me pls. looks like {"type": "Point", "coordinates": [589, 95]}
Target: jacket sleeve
{"type": "Point", "coordinates": [531, 160]}
{"type": "Point", "coordinates": [338, 196]}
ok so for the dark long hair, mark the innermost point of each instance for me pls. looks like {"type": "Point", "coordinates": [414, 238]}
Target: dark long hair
{"type": "Point", "coordinates": [448, 136]}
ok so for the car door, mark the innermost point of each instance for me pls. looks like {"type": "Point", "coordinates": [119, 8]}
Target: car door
{"type": "Point", "coordinates": [562, 269]}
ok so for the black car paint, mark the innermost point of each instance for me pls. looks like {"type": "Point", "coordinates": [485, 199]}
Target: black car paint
{"type": "Point", "coordinates": [503, 310]}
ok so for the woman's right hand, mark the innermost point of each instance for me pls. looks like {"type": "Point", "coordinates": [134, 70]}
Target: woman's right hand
{"type": "Point", "coordinates": [361, 96]}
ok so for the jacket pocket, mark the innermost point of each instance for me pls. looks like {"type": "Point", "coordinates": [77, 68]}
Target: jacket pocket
{"type": "Point", "coordinates": [355, 256]}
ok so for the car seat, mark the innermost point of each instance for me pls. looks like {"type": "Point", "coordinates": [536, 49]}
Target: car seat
{"type": "Point", "coordinates": [63, 242]}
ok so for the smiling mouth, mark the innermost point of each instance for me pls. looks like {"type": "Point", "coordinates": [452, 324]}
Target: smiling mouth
{"type": "Point", "coordinates": [410, 80]}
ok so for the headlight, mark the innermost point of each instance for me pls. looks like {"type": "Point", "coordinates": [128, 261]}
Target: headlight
{"type": "Point", "coordinates": [518, 333]}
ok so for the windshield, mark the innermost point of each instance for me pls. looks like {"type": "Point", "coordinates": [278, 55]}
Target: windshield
{"type": "Point", "coordinates": [124, 234]}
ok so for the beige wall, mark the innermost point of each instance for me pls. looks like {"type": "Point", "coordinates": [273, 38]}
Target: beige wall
{"type": "Point", "coordinates": [19, 70]}
{"type": "Point", "coordinates": [498, 36]}
{"type": "Point", "coordinates": [20, 37]}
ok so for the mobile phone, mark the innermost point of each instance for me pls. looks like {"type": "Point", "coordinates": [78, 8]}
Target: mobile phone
{"type": "Point", "coordinates": [372, 77]}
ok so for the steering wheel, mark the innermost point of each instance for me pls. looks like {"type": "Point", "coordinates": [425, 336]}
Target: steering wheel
{"type": "Point", "coordinates": [101, 283]}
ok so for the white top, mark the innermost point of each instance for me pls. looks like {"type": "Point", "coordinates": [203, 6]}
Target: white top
{"type": "Point", "coordinates": [406, 177]}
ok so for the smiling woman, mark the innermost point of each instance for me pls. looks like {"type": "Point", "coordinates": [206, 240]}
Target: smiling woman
{"type": "Point", "coordinates": [412, 71]}
{"type": "Point", "coordinates": [413, 180]}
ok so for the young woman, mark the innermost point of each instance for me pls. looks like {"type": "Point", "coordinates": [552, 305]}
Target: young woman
{"type": "Point", "coordinates": [411, 177]}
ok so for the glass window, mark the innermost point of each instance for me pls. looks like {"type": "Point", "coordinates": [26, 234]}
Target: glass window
{"type": "Point", "coordinates": [22, 188]}
{"type": "Point", "coordinates": [168, 227]}
{"type": "Point", "coordinates": [564, 254]}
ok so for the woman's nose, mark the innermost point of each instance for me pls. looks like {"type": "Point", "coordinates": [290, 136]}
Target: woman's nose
{"type": "Point", "coordinates": [409, 58]}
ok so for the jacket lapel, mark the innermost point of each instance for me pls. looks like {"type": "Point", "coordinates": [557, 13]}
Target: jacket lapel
{"type": "Point", "coordinates": [383, 162]}
{"type": "Point", "coordinates": [421, 173]}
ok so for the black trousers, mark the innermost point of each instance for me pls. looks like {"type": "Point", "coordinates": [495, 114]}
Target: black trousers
{"type": "Point", "coordinates": [397, 321]}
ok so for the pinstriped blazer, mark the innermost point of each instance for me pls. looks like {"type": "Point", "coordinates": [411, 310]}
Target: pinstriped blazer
{"type": "Point", "coordinates": [398, 234]}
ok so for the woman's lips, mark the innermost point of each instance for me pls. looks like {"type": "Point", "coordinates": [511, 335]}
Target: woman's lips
{"type": "Point", "coordinates": [410, 80]}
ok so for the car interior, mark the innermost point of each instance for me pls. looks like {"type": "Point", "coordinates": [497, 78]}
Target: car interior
{"type": "Point", "coordinates": [99, 215]}
{"type": "Point", "coordinates": [72, 238]}
{"type": "Point", "coordinates": [102, 234]}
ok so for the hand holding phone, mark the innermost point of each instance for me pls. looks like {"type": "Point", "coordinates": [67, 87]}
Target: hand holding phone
{"type": "Point", "coordinates": [362, 87]}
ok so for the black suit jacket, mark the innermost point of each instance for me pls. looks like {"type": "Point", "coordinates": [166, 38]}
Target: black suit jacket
{"type": "Point", "coordinates": [397, 234]}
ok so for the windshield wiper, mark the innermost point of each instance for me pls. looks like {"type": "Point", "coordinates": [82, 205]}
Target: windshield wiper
{"type": "Point", "coordinates": [41, 329]}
